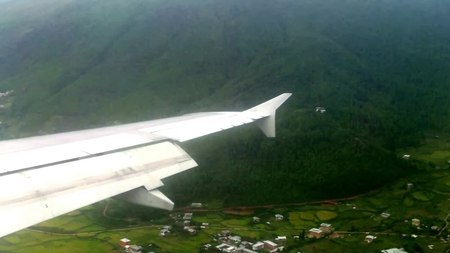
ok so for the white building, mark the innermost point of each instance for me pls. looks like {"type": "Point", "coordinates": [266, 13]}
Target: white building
{"type": "Point", "coordinates": [258, 246]}
{"type": "Point", "coordinates": [393, 250]}
{"type": "Point", "coordinates": [279, 217]}
{"type": "Point", "coordinates": [280, 238]}
{"type": "Point", "coordinates": [385, 215]}
{"type": "Point", "coordinates": [370, 238]}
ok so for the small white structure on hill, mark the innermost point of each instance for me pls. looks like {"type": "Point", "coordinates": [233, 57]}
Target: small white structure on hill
{"type": "Point", "coordinates": [370, 238]}
{"type": "Point", "coordinates": [279, 217]}
{"type": "Point", "coordinates": [385, 215]}
{"type": "Point", "coordinates": [415, 222]}
{"type": "Point", "coordinates": [320, 109]}
{"type": "Point", "coordinates": [281, 238]}
{"type": "Point", "coordinates": [394, 250]}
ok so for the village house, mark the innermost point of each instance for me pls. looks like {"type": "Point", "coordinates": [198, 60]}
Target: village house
{"type": "Point", "coordinates": [234, 239]}
{"type": "Point", "coordinates": [133, 249]}
{"type": "Point", "coordinates": [281, 238]}
{"type": "Point", "coordinates": [124, 242]}
{"type": "Point", "coordinates": [258, 246]}
{"type": "Point", "coordinates": [315, 233]}
{"type": "Point", "coordinates": [415, 222]}
{"type": "Point", "coordinates": [196, 205]}
{"type": "Point", "coordinates": [245, 250]}
{"type": "Point", "coordinates": [279, 217]}
{"type": "Point", "coordinates": [164, 232]}
{"type": "Point", "coordinates": [4, 94]}
{"type": "Point", "coordinates": [246, 244]}
{"type": "Point", "coordinates": [370, 238]}
{"type": "Point", "coordinates": [409, 186]}
{"type": "Point", "coordinates": [435, 228]}
{"type": "Point", "coordinates": [394, 250]}
{"type": "Point", "coordinates": [385, 215]}
{"type": "Point", "coordinates": [256, 219]}
{"type": "Point", "coordinates": [187, 216]}
{"type": "Point", "coordinates": [269, 245]}
{"type": "Point", "coordinates": [326, 228]}
{"type": "Point", "coordinates": [225, 247]}
{"type": "Point", "coordinates": [191, 231]}
{"type": "Point", "coordinates": [320, 109]}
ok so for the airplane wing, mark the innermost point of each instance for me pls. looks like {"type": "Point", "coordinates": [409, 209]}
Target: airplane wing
{"type": "Point", "coordinates": [46, 176]}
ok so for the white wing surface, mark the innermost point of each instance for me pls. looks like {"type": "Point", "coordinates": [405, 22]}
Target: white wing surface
{"type": "Point", "coordinates": [45, 176]}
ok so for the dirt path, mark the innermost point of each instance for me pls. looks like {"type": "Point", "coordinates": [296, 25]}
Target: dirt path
{"type": "Point", "coordinates": [269, 206]}
{"type": "Point", "coordinates": [86, 233]}
{"type": "Point", "coordinates": [106, 209]}
{"type": "Point", "coordinates": [446, 224]}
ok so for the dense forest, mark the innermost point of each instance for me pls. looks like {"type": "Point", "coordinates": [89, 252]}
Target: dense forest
{"type": "Point", "coordinates": [379, 68]}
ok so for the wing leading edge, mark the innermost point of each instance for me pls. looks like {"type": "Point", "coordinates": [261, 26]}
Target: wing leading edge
{"type": "Point", "coordinates": [46, 176]}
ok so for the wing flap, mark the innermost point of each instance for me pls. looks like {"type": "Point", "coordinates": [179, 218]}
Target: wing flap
{"type": "Point", "coordinates": [55, 190]}
{"type": "Point", "coordinates": [151, 198]}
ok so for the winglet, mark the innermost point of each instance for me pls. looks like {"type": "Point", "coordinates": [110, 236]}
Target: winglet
{"type": "Point", "coordinates": [268, 109]}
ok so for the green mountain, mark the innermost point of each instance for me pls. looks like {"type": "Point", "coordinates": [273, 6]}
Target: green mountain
{"type": "Point", "coordinates": [380, 68]}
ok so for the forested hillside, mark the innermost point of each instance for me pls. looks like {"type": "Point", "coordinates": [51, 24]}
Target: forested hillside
{"type": "Point", "coordinates": [380, 69]}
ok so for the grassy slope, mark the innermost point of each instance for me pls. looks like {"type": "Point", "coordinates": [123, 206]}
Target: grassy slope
{"type": "Point", "coordinates": [379, 67]}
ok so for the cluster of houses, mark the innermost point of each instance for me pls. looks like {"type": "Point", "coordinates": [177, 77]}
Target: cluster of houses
{"type": "Point", "coordinates": [323, 230]}
{"type": "Point", "coordinates": [187, 218]}
{"type": "Point", "coordinates": [4, 94]}
{"type": "Point", "coordinates": [234, 244]}
{"type": "Point", "coordinates": [320, 109]}
{"type": "Point", "coordinates": [229, 243]}
{"type": "Point", "coordinates": [278, 217]}
{"type": "Point", "coordinates": [184, 221]}
{"type": "Point", "coordinates": [125, 243]}
{"type": "Point", "coordinates": [165, 230]}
